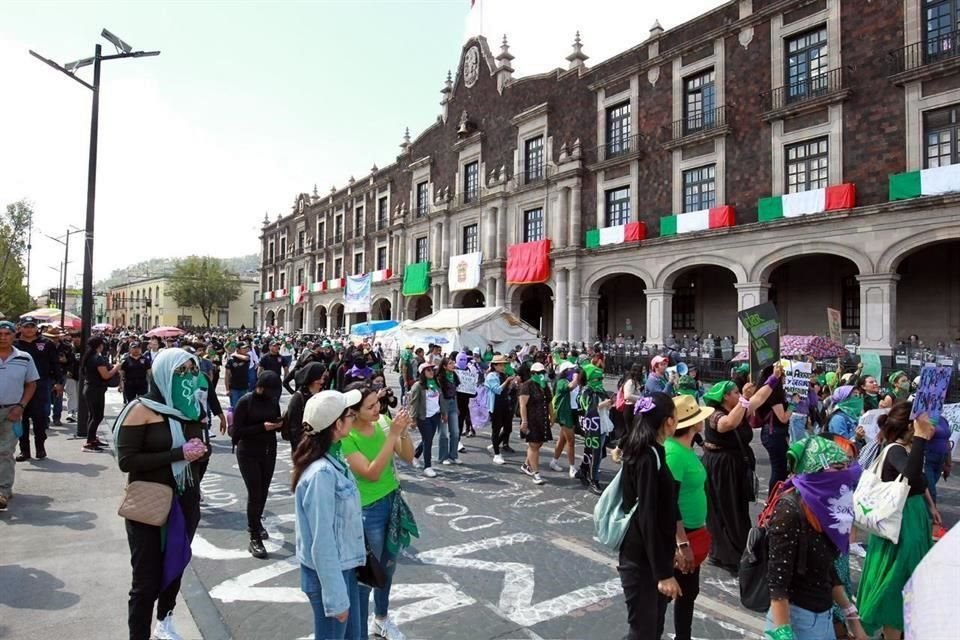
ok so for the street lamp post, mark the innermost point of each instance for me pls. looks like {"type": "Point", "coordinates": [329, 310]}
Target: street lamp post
{"type": "Point", "coordinates": [63, 277]}
{"type": "Point", "coordinates": [86, 310]}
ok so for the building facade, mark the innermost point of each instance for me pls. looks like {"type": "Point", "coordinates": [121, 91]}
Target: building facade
{"type": "Point", "coordinates": [147, 303]}
{"type": "Point", "coordinates": [801, 151]}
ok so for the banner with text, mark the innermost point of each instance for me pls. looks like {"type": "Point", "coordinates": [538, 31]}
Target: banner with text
{"type": "Point", "coordinates": [763, 326]}
{"type": "Point", "coordinates": [930, 396]}
{"type": "Point", "coordinates": [356, 297]}
{"type": "Point", "coordinates": [797, 379]}
{"type": "Point", "coordinates": [833, 325]}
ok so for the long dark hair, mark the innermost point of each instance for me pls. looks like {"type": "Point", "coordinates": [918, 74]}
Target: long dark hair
{"type": "Point", "coordinates": [636, 373]}
{"type": "Point", "coordinates": [311, 449]}
{"type": "Point", "coordinates": [896, 424]}
{"type": "Point", "coordinates": [365, 390]}
{"type": "Point", "coordinates": [777, 396]}
{"type": "Point", "coordinates": [93, 344]}
{"type": "Point", "coordinates": [646, 427]}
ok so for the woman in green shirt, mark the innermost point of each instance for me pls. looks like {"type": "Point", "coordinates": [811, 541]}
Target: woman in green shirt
{"type": "Point", "coordinates": [693, 542]}
{"type": "Point", "coordinates": [369, 450]}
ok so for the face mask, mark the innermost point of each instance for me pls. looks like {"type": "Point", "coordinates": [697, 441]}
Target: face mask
{"type": "Point", "coordinates": [540, 379]}
{"type": "Point", "coordinates": [377, 386]}
{"type": "Point", "coordinates": [904, 386]}
{"type": "Point", "coordinates": [184, 388]}
{"type": "Point", "coordinates": [852, 407]}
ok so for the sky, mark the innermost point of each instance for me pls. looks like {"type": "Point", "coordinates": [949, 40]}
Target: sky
{"type": "Point", "coordinates": [249, 104]}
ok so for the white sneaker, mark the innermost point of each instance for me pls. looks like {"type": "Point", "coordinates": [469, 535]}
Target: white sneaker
{"type": "Point", "coordinates": [387, 629]}
{"type": "Point", "coordinates": [457, 461]}
{"type": "Point", "coordinates": [555, 465]}
{"type": "Point", "coordinates": [537, 479]}
{"type": "Point", "coordinates": [447, 462]}
{"type": "Point", "coordinates": [429, 472]}
{"type": "Point", "coordinates": [164, 629]}
{"type": "Point", "coordinates": [490, 448]}
{"type": "Point", "coordinates": [416, 463]}
{"type": "Point", "coordinates": [573, 472]}
{"type": "Point", "coordinates": [525, 469]}
{"type": "Point", "coordinates": [498, 459]}
{"type": "Point", "coordinates": [461, 448]}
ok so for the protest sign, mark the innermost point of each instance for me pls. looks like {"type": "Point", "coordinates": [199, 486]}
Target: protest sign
{"type": "Point", "coordinates": [763, 327]}
{"type": "Point", "coordinates": [833, 324]}
{"type": "Point", "coordinates": [931, 393]}
{"type": "Point", "coordinates": [797, 379]}
{"type": "Point", "coordinates": [871, 365]}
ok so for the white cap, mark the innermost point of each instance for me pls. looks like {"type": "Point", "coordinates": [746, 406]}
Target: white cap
{"type": "Point", "coordinates": [564, 366]}
{"type": "Point", "coordinates": [323, 409]}
{"type": "Point", "coordinates": [426, 365]}
{"type": "Point", "coordinates": [537, 367]}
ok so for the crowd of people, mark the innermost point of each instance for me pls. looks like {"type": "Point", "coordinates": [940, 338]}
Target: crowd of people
{"type": "Point", "coordinates": [347, 429]}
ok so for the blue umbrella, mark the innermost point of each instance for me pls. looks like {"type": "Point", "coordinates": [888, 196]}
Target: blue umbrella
{"type": "Point", "coordinates": [370, 328]}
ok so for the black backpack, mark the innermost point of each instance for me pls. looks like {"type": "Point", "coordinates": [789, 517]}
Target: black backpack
{"type": "Point", "coordinates": [752, 573]}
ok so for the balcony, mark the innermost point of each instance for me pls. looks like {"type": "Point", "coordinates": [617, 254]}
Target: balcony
{"type": "Point", "coordinates": [467, 198]}
{"type": "Point", "coordinates": [338, 237]}
{"type": "Point", "coordinates": [938, 56]}
{"type": "Point", "coordinates": [535, 176]}
{"type": "Point", "coordinates": [616, 151]}
{"type": "Point", "coordinates": [807, 95]}
{"type": "Point", "coordinates": [697, 127]}
{"type": "Point", "coordinates": [421, 211]}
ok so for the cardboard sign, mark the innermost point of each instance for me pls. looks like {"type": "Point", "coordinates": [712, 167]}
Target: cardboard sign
{"type": "Point", "coordinates": [833, 325]}
{"type": "Point", "coordinates": [871, 365]}
{"type": "Point", "coordinates": [934, 382]}
{"type": "Point", "coordinates": [797, 379]}
{"type": "Point", "coordinates": [763, 327]}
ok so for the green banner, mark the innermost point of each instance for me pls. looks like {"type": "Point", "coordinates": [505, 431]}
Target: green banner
{"type": "Point", "coordinates": [416, 279]}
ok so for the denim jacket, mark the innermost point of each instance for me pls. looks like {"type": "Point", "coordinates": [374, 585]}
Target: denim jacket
{"type": "Point", "coordinates": [329, 528]}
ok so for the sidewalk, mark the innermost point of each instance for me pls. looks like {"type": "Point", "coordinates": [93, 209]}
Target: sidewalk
{"type": "Point", "coordinates": [64, 559]}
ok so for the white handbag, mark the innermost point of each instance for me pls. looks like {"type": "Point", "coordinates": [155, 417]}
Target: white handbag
{"type": "Point", "coordinates": [878, 505]}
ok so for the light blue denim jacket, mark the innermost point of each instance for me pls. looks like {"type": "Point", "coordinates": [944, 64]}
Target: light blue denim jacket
{"type": "Point", "coordinates": [329, 528]}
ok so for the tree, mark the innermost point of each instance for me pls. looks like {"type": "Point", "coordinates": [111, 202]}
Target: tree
{"type": "Point", "coordinates": [204, 283]}
{"type": "Point", "coordinates": [14, 230]}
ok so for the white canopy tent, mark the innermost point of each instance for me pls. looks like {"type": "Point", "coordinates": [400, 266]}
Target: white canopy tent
{"type": "Point", "coordinates": [454, 329]}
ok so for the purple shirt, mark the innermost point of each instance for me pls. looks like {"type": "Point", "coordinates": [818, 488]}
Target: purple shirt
{"type": "Point", "coordinates": [939, 445]}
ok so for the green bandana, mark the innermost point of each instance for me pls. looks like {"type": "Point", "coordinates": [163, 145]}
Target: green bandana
{"type": "Point", "coordinates": [742, 369]}
{"type": "Point", "coordinates": [449, 375]}
{"type": "Point", "coordinates": [540, 379]}
{"type": "Point", "coordinates": [892, 379]}
{"type": "Point", "coordinates": [718, 391]}
{"type": "Point", "coordinates": [814, 454]}
{"type": "Point", "coordinates": [432, 384]}
{"type": "Point", "coordinates": [831, 379]}
{"type": "Point", "coordinates": [594, 376]}
{"type": "Point", "coordinates": [687, 385]}
{"type": "Point", "coordinates": [852, 407]}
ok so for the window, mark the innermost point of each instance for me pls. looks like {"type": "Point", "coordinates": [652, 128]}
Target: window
{"type": "Point", "coordinates": [283, 247]}
{"type": "Point", "coordinates": [850, 301]}
{"type": "Point", "coordinates": [382, 213]}
{"type": "Point", "coordinates": [358, 263]}
{"type": "Point", "coordinates": [533, 225]}
{"type": "Point", "coordinates": [423, 199]}
{"type": "Point", "coordinates": [301, 236]}
{"type": "Point", "coordinates": [699, 101]}
{"type": "Point", "coordinates": [338, 267]}
{"type": "Point", "coordinates": [321, 234]}
{"type": "Point", "coordinates": [358, 222]}
{"type": "Point", "coordinates": [807, 64]}
{"type": "Point", "coordinates": [943, 22]}
{"type": "Point", "coordinates": [940, 131]}
{"type": "Point", "coordinates": [270, 253]}
{"type": "Point", "coordinates": [471, 181]}
{"type": "Point", "coordinates": [299, 276]}
{"type": "Point", "coordinates": [283, 279]}
{"type": "Point", "coordinates": [420, 249]}
{"type": "Point", "coordinates": [618, 130]}
{"type": "Point", "coordinates": [321, 272]}
{"type": "Point", "coordinates": [807, 166]}
{"type": "Point", "coordinates": [270, 283]}
{"type": "Point", "coordinates": [381, 258]}
{"type": "Point", "coordinates": [699, 188]}
{"type": "Point", "coordinates": [533, 159]}
{"type": "Point", "coordinates": [471, 239]}
{"type": "Point", "coordinates": [684, 308]}
{"type": "Point", "coordinates": [617, 206]}
{"type": "Point", "coordinates": [338, 229]}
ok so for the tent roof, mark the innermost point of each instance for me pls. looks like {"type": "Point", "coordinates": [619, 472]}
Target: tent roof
{"type": "Point", "coordinates": [465, 318]}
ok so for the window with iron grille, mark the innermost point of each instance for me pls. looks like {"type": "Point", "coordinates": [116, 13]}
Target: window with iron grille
{"type": "Point", "coordinates": [807, 165]}
{"type": "Point", "coordinates": [321, 272]}
{"type": "Point", "coordinates": [283, 247]}
{"type": "Point", "coordinates": [941, 131]}
{"type": "Point", "coordinates": [420, 249]}
{"type": "Point", "coordinates": [301, 236]}
{"type": "Point", "coordinates": [338, 267]}
{"type": "Point", "coordinates": [700, 188]}
{"type": "Point", "coordinates": [358, 222]}
{"type": "Point", "coordinates": [471, 181]}
{"type": "Point", "coordinates": [357, 263]}
{"type": "Point", "coordinates": [699, 101]}
{"type": "Point", "coordinates": [321, 233]}
{"type": "Point", "coordinates": [533, 158]}
{"type": "Point", "coordinates": [942, 24]}
{"type": "Point", "coordinates": [423, 199]}
{"type": "Point", "coordinates": [850, 300]}
{"type": "Point", "coordinates": [338, 228]}
{"type": "Point", "coordinates": [382, 213]}
{"type": "Point", "coordinates": [684, 308]}
{"type": "Point", "coordinates": [618, 129]}
{"type": "Point", "coordinates": [381, 258]}
{"type": "Point", "coordinates": [283, 279]}
{"type": "Point", "coordinates": [299, 276]}
{"type": "Point", "coordinates": [533, 225]}
{"type": "Point", "coordinates": [617, 206]}
{"type": "Point", "coordinates": [807, 62]}
{"type": "Point", "coordinates": [270, 252]}
{"type": "Point", "coordinates": [270, 283]}
{"type": "Point", "coordinates": [471, 243]}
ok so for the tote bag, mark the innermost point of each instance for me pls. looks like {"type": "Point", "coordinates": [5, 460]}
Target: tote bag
{"type": "Point", "coordinates": [878, 505]}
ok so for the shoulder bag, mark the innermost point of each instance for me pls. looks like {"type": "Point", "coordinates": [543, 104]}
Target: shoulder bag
{"type": "Point", "coordinates": [751, 480]}
{"type": "Point", "coordinates": [146, 502]}
{"type": "Point", "coordinates": [878, 505]}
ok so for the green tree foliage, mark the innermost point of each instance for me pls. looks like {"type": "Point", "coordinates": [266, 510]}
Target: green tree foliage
{"type": "Point", "coordinates": [204, 283]}
{"type": "Point", "coordinates": [14, 229]}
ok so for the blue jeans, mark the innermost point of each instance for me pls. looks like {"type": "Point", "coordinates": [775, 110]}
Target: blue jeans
{"type": "Point", "coordinates": [449, 432]}
{"type": "Point", "coordinates": [235, 395]}
{"type": "Point", "coordinates": [933, 467]}
{"type": "Point", "coordinates": [798, 427]}
{"type": "Point", "coordinates": [331, 628]}
{"type": "Point", "coordinates": [376, 517]}
{"type": "Point", "coordinates": [428, 428]}
{"type": "Point", "coordinates": [808, 625]}
{"type": "Point", "coordinates": [56, 404]}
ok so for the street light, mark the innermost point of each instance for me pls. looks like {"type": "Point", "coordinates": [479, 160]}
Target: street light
{"type": "Point", "coordinates": [86, 310]}
{"type": "Point", "coordinates": [63, 276]}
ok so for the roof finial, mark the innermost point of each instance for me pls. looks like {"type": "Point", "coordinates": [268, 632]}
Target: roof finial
{"type": "Point", "coordinates": [315, 194]}
{"type": "Point", "coordinates": [577, 57]}
{"type": "Point", "coordinates": [656, 29]}
{"type": "Point", "coordinates": [505, 56]}
{"type": "Point", "coordinates": [406, 139]}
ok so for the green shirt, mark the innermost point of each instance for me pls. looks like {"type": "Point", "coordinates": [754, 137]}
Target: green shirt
{"type": "Point", "coordinates": [370, 447]}
{"type": "Point", "coordinates": [692, 476]}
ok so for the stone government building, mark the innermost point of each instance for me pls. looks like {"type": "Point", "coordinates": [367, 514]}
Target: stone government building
{"type": "Point", "coordinates": [805, 152]}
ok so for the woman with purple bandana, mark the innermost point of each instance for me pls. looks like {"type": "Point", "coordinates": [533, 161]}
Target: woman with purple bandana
{"type": "Point", "coordinates": [937, 462]}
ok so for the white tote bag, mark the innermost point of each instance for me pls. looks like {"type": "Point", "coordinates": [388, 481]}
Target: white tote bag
{"type": "Point", "coordinates": [878, 505]}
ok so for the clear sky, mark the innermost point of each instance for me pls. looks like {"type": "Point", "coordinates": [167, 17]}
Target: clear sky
{"type": "Point", "coordinates": [249, 104]}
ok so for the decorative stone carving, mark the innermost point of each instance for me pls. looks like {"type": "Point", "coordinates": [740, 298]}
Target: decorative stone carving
{"type": "Point", "coordinates": [653, 74]}
{"type": "Point", "coordinates": [471, 66]}
{"type": "Point", "coordinates": [564, 154]}
{"type": "Point", "coordinates": [745, 37]}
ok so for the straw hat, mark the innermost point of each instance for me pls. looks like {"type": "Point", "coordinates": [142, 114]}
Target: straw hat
{"type": "Point", "coordinates": [500, 360]}
{"type": "Point", "coordinates": [689, 412]}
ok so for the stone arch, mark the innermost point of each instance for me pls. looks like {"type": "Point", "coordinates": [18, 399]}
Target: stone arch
{"type": "Point", "coordinates": [270, 318]}
{"type": "Point", "coordinates": [890, 261]}
{"type": "Point", "coordinates": [281, 318]}
{"type": "Point", "coordinates": [534, 304]}
{"type": "Point", "coordinates": [669, 273]}
{"type": "Point", "coordinates": [467, 299]}
{"type": "Point", "coordinates": [319, 323]}
{"type": "Point", "coordinates": [419, 307]}
{"type": "Point", "coordinates": [337, 316]}
{"type": "Point", "coordinates": [381, 308]}
{"type": "Point", "coordinates": [592, 283]}
{"type": "Point", "coordinates": [763, 267]}
{"type": "Point", "coordinates": [298, 317]}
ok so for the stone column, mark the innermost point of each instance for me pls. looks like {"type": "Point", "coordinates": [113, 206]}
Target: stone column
{"type": "Point", "coordinates": [307, 315]}
{"type": "Point", "coordinates": [444, 296]}
{"type": "Point", "coordinates": [444, 244]}
{"type": "Point", "coordinates": [560, 306]}
{"type": "Point", "coordinates": [563, 219]}
{"type": "Point", "coordinates": [501, 296]}
{"type": "Point", "coordinates": [576, 219]}
{"type": "Point", "coordinates": [501, 241]}
{"type": "Point", "coordinates": [878, 312]}
{"type": "Point", "coordinates": [574, 327]}
{"type": "Point", "coordinates": [659, 315]}
{"type": "Point", "coordinates": [749, 294]}
{"type": "Point", "coordinates": [588, 318]}
{"type": "Point", "coordinates": [490, 292]}
{"type": "Point", "coordinates": [490, 234]}
{"type": "Point", "coordinates": [436, 237]}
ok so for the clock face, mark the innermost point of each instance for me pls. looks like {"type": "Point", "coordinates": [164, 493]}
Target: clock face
{"type": "Point", "coordinates": [471, 66]}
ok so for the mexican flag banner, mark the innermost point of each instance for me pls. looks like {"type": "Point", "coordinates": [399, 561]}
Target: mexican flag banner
{"type": "Point", "coordinates": [268, 295]}
{"type": "Point", "coordinates": [382, 275]}
{"type": "Point", "coordinates": [318, 287]}
{"type": "Point", "coordinates": [336, 283]}
{"type": "Point", "coordinates": [416, 279]}
{"type": "Point", "coordinates": [298, 293]}
{"type": "Point", "coordinates": [794, 205]}
{"type": "Point", "coordinates": [928, 182]}
{"type": "Point", "coordinates": [714, 218]}
{"type": "Point", "coordinates": [630, 232]}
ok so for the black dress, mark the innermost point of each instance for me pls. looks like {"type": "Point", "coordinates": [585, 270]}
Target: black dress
{"type": "Point", "coordinates": [538, 412]}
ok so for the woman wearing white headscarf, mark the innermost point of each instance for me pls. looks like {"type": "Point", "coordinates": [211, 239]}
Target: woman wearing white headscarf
{"type": "Point", "coordinates": [158, 438]}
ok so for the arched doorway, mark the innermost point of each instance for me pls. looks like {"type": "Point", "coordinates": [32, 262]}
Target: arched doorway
{"type": "Point", "coordinates": [470, 299]}
{"type": "Point", "coordinates": [621, 307]}
{"type": "Point", "coordinates": [271, 318]}
{"type": "Point", "coordinates": [704, 302]}
{"type": "Point", "coordinates": [381, 309]}
{"type": "Point", "coordinates": [535, 305]}
{"type": "Point", "coordinates": [804, 286]}
{"type": "Point", "coordinates": [928, 296]}
{"type": "Point", "coordinates": [336, 317]}
{"type": "Point", "coordinates": [419, 307]}
{"type": "Point", "coordinates": [320, 319]}
{"type": "Point", "coordinates": [298, 319]}
{"type": "Point", "coordinates": [282, 319]}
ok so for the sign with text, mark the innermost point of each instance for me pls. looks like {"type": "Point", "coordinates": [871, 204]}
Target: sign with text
{"type": "Point", "coordinates": [763, 326]}
{"type": "Point", "coordinates": [833, 325]}
{"type": "Point", "coordinates": [797, 380]}
{"type": "Point", "coordinates": [934, 382]}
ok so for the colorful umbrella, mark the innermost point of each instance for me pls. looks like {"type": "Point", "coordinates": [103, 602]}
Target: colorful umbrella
{"type": "Point", "coordinates": [52, 316]}
{"type": "Point", "coordinates": [817, 346]}
{"type": "Point", "coordinates": [103, 326]}
{"type": "Point", "coordinates": [165, 332]}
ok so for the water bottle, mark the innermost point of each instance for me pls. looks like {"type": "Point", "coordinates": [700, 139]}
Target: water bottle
{"type": "Point", "coordinates": [18, 429]}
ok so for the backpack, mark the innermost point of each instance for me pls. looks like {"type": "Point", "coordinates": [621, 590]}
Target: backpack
{"type": "Point", "coordinates": [609, 520]}
{"type": "Point", "coordinates": [619, 402]}
{"type": "Point", "coordinates": [752, 573]}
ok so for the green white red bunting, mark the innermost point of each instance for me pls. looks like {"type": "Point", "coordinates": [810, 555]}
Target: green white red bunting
{"type": "Point", "coordinates": [268, 295]}
{"type": "Point", "coordinates": [714, 218]}
{"type": "Point", "coordinates": [336, 283]}
{"type": "Point", "coordinates": [382, 275]}
{"type": "Point", "coordinates": [794, 205]}
{"type": "Point", "coordinates": [928, 182]}
{"type": "Point", "coordinates": [318, 287]}
{"type": "Point", "coordinates": [280, 293]}
{"type": "Point", "coordinates": [298, 293]}
{"type": "Point", "coordinates": [619, 234]}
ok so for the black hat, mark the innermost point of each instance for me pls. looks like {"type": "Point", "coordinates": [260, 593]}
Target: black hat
{"type": "Point", "coordinates": [25, 320]}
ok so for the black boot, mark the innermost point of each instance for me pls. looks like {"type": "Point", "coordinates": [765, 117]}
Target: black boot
{"type": "Point", "coordinates": [41, 451]}
{"type": "Point", "coordinates": [24, 453]}
{"type": "Point", "coordinates": [257, 550]}
{"type": "Point", "coordinates": [595, 488]}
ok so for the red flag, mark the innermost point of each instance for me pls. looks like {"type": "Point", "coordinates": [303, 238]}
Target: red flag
{"type": "Point", "coordinates": [528, 263]}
